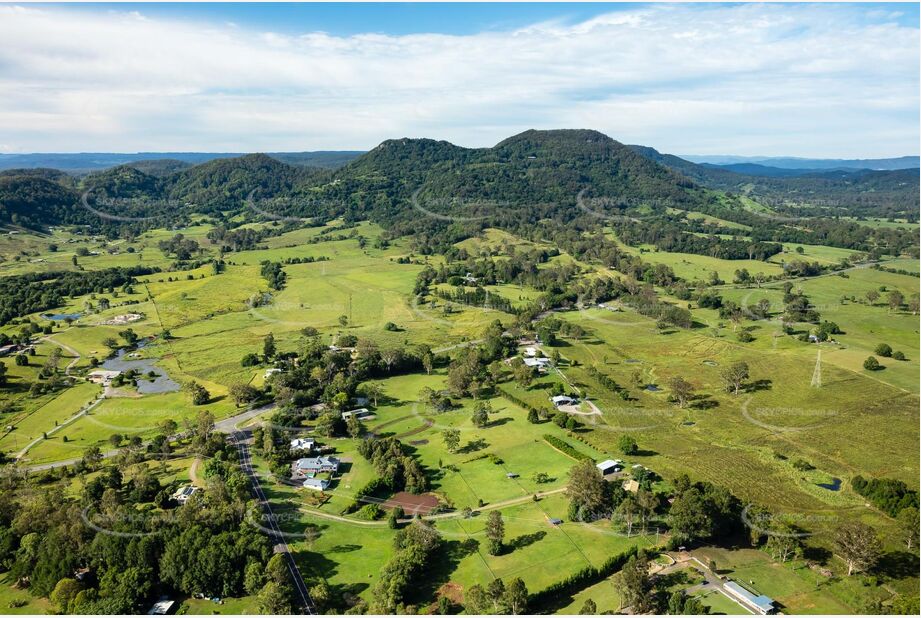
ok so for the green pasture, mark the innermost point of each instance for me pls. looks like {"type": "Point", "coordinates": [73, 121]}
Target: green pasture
{"type": "Point", "coordinates": [796, 588]}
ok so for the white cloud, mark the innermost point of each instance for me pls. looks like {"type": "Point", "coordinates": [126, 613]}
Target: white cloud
{"type": "Point", "coordinates": [753, 79]}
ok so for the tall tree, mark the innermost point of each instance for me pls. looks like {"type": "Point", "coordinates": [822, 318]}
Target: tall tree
{"type": "Point", "coordinates": [783, 542]}
{"type": "Point", "coordinates": [734, 376]}
{"type": "Point", "coordinates": [908, 525]}
{"type": "Point", "coordinates": [895, 300]}
{"type": "Point", "coordinates": [495, 532]}
{"type": "Point", "coordinates": [451, 438]}
{"type": "Point", "coordinates": [268, 347]}
{"type": "Point", "coordinates": [858, 545]}
{"type": "Point", "coordinates": [636, 585]}
{"type": "Point", "coordinates": [681, 390]}
{"type": "Point", "coordinates": [586, 490]}
{"type": "Point", "coordinates": [516, 597]}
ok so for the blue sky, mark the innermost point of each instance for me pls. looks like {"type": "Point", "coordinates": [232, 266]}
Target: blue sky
{"type": "Point", "coordinates": [343, 19]}
{"type": "Point", "coordinates": [821, 80]}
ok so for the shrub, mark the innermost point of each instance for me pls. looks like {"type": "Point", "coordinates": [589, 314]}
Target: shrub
{"type": "Point", "coordinates": [580, 580]}
{"type": "Point", "coordinates": [883, 350]}
{"type": "Point", "coordinates": [565, 447]}
{"type": "Point", "coordinates": [370, 511]}
{"type": "Point", "coordinates": [871, 364]}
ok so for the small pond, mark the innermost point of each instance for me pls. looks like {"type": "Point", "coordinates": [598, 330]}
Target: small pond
{"type": "Point", "coordinates": [633, 360]}
{"type": "Point", "coordinates": [58, 317]}
{"type": "Point", "coordinates": [652, 388]}
{"type": "Point", "coordinates": [161, 384]}
{"type": "Point", "coordinates": [835, 484]}
{"type": "Point", "coordinates": [711, 363]}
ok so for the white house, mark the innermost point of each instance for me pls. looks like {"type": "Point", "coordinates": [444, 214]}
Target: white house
{"type": "Point", "coordinates": [562, 400]}
{"type": "Point", "coordinates": [271, 371]}
{"type": "Point", "coordinates": [540, 363]}
{"type": "Point", "coordinates": [609, 465]}
{"type": "Point", "coordinates": [102, 376]}
{"type": "Point", "coordinates": [316, 484]}
{"type": "Point", "coordinates": [310, 466]}
{"type": "Point", "coordinates": [303, 444]}
{"type": "Point", "coordinates": [530, 351]}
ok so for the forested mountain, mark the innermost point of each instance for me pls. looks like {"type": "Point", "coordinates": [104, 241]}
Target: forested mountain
{"type": "Point", "coordinates": [123, 181]}
{"type": "Point", "coordinates": [224, 183]}
{"type": "Point", "coordinates": [536, 183]}
{"type": "Point", "coordinates": [160, 167]}
{"type": "Point", "coordinates": [534, 175]}
{"type": "Point", "coordinates": [861, 193]}
{"type": "Point", "coordinates": [36, 200]}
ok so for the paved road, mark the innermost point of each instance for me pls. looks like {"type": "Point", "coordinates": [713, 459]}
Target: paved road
{"type": "Point", "coordinates": [230, 424]}
{"type": "Point", "coordinates": [241, 439]}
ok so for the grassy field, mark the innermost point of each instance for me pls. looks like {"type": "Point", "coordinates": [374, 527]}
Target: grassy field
{"type": "Point", "coordinates": [796, 588]}
{"type": "Point", "coordinates": [20, 602]}
{"type": "Point", "coordinates": [737, 441]}
{"type": "Point", "coordinates": [809, 401]}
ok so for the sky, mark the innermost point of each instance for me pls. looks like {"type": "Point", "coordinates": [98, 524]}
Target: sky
{"type": "Point", "coordinates": [810, 80]}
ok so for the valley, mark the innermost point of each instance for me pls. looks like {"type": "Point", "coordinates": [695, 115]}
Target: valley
{"type": "Point", "coordinates": [714, 358]}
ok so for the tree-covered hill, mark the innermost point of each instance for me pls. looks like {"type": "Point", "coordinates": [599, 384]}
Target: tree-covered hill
{"type": "Point", "coordinates": [534, 175]}
{"type": "Point", "coordinates": [35, 200]}
{"type": "Point", "coordinates": [860, 193]}
{"type": "Point", "coordinates": [160, 167]}
{"type": "Point", "coordinates": [531, 183]}
{"type": "Point", "coordinates": [225, 183]}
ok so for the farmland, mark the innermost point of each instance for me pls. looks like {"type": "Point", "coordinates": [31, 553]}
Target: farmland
{"type": "Point", "coordinates": [456, 397]}
{"type": "Point", "coordinates": [743, 442]}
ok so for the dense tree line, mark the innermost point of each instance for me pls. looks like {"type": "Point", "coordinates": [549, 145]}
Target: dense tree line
{"type": "Point", "coordinates": [415, 545]}
{"type": "Point", "coordinates": [672, 236]}
{"type": "Point", "coordinates": [397, 469]}
{"type": "Point", "coordinates": [33, 292]}
{"type": "Point", "coordinates": [139, 543]}
{"type": "Point", "coordinates": [274, 275]}
{"type": "Point", "coordinates": [890, 496]}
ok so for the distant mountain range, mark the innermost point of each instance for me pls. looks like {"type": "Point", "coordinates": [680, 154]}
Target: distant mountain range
{"type": "Point", "coordinates": [158, 162]}
{"type": "Point", "coordinates": [737, 163]}
{"type": "Point", "coordinates": [446, 192]}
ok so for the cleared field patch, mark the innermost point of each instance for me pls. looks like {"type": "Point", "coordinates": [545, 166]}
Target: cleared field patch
{"type": "Point", "coordinates": [31, 426]}
{"type": "Point", "coordinates": [797, 589]}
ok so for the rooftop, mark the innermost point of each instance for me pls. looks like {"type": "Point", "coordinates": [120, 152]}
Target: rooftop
{"type": "Point", "coordinates": [760, 601]}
